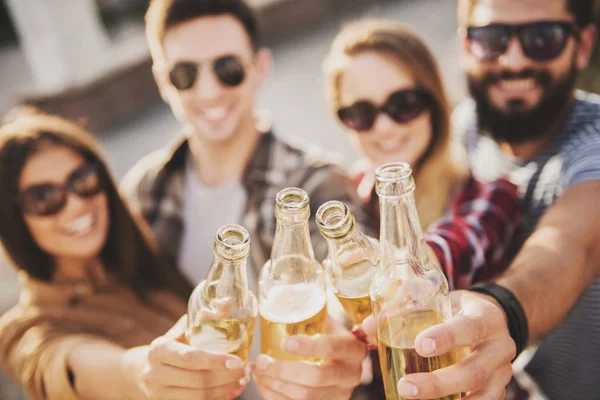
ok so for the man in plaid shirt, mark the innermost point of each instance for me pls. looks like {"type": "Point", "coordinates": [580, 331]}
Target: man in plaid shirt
{"type": "Point", "coordinates": [228, 168]}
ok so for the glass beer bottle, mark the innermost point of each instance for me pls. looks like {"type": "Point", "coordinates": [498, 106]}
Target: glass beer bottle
{"type": "Point", "coordinates": [409, 293]}
{"type": "Point", "coordinates": [222, 309]}
{"type": "Point", "coordinates": [292, 283]}
{"type": "Point", "coordinates": [351, 262]}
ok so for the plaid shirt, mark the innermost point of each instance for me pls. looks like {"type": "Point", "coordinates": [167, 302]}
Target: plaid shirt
{"type": "Point", "coordinates": [155, 189]}
{"type": "Point", "coordinates": [480, 233]}
{"type": "Point", "coordinates": [478, 236]}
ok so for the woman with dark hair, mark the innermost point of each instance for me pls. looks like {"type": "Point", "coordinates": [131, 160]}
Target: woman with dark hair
{"type": "Point", "coordinates": [93, 292]}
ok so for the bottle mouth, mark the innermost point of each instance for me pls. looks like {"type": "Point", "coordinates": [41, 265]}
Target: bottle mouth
{"type": "Point", "coordinates": [232, 241]}
{"type": "Point", "coordinates": [292, 200]}
{"type": "Point", "coordinates": [393, 172]}
{"type": "Point", "coordinates": [334, 219]}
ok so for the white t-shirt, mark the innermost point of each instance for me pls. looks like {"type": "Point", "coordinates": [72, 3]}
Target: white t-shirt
{"type": "Point", "coordinates": [206, 209]}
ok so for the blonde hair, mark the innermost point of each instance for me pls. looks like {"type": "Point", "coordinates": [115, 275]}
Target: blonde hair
{"type": "Point", "coordinates": [438, 172]}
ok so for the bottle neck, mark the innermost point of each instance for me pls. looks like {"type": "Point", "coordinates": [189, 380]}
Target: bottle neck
{"type": "Point", "coordinates": [292, 238]}
{"type": "Point", "coordinates": [227, 277]}
{"type": "Point", "coordinates": [401, 235]}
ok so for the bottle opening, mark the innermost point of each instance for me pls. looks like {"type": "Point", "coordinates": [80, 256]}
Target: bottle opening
{"type": "Point", "coordinates": [233, 241]}
{"type": "Point", "coordinates": [333, 217]}
{"type": "Point", "coordinates": [393, 172]}
{"type": "Point", "coordinates": [292, 200]}
{"type": "Point", "coordinates": [394, 179]}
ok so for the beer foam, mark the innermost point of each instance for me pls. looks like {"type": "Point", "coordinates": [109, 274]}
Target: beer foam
{"type": "Point", "coordinates": [288, 304]}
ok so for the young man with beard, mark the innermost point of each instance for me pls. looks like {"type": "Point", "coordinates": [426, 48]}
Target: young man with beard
{"type": "Point", "coordinates": [526, 121]}
{"type": "Point", "coordinates": [228, 168]}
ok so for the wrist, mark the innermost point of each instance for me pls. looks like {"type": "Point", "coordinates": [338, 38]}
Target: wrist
{"type": "Point", "coordinates": [132, 365]}
{"type": "Point", "coordinates": [515, 318]}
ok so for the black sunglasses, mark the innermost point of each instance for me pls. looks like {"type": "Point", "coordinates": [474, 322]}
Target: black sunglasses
{"type": "Point", "coordinates": [48, 199]}
{"type": "Point", "coordinates": [540, 41]}
{"type": "Point", "coordinates": [228, 69]}
{"type": "Point", "coordinates": [402, 106]}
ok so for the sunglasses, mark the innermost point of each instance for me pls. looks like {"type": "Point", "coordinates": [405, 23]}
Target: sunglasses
{"type": "Point", "coordinates": [229, 70]}
{"type": "Point", "coordinates": [402, 106]}
{"type": "Point", "coordinates": [540, 41]}
{"type": "Point", "coordinates": [48, 199]}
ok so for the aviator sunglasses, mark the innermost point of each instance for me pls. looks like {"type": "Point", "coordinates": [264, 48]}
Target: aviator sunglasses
{"type": "Point", "coordinates": [229, 70]}
{"type": "Point", "coordinates": [48, 199]}
{"type": "Point", "coordinates": [540, 41]}
{"type": "Point", "coordinates": [402, 106]}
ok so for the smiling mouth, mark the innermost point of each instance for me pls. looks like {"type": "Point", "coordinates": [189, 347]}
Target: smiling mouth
{"type": "Point", "coordinates": [517, 85]}
{"type": "Point", "coordinates": [81, 226]}
{"type": "Point", "coordinates": [392, 145]}
{"type": "Point", "coordinates": [216, 115]}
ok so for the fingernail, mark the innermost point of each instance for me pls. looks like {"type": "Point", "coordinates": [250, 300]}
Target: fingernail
{"type": "Point", "coordinates": [234, 364]}
{"type": "Point", "coordinates": [263, 362]}
{"type": "Point", "coordinates": [244, 381]}
{"type": "Point", "coordinates": [407, 389]}
{"type": "Point", "coordinates": [290, 345]}
{"type": "Point", "coordinates": [428, 346]}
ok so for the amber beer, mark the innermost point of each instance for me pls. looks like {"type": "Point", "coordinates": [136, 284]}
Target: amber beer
{"type": "Point", "coordinates": [292, 283]}
{"type": "Point", "coordinates": [409, 293]}
{"type": "Point", "coordinates": [222, 309]}
{"type": "Point", "coordinates": [291, 310]}
{"type": "Point", "coordinates": [232, 336]}
{"type": "Point", "coordinates": [356, 308]}
{"type": "Point", "coordinates": [351, 261]}
{"type": "Point", "coordinates": [398, 356]}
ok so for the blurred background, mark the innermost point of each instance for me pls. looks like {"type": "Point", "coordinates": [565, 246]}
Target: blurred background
{"type": "Point", "coordinates": [88, 60]}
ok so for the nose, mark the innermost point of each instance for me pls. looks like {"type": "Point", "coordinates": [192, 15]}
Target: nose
{"type": "Point", "coordinates": [207, 86]}
{"type": "Point", "coordinates": [74, 202]}
{"type": "Point", "coordinates": [514, 58]}
{"type": "Point", "coordinates": [384, 126]}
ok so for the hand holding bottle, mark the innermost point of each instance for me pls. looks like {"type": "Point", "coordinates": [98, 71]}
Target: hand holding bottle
{"type": "Point", "coordinates": [170, 368]}
{"type": "Point", "coordinates": [299, 380]}
{"type": "Point", "coordinates": [478, 324]}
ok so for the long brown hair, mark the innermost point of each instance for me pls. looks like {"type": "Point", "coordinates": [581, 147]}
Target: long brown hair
{"type": "Point", "coordinates": [438, 171]}
{"type": "Point", "coordinates": [127, 253]}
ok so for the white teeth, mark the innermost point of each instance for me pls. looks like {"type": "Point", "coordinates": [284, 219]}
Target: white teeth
{"type": "Point", "coordinates": [389, 144]}
{"type": "Point", "coordinates": [215, 113]}
{"type": "Point", "coordinates": [81, 225]}
{"type": "Point", "coordinates": [518, 84]}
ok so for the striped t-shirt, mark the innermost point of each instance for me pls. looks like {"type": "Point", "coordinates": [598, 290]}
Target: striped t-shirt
{"type": "Point", "coordinates": [567, 363]}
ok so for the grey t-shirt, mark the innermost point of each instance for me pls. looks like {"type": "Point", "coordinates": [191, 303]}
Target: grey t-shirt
{"type": "Point", "coordinates": [567, 363]}
{"type": "Point", "coordinates": [206, 209]}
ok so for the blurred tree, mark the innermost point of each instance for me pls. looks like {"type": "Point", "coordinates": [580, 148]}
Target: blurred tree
{"type": "Point", "coordinates": [63, 40]}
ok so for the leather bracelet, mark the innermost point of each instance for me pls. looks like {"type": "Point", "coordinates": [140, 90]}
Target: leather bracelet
{"type": "Point", "coordinates": [515, 315]}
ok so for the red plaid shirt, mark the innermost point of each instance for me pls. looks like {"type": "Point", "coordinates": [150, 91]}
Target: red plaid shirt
{"type": "Point", "coordinates": [478, 236]}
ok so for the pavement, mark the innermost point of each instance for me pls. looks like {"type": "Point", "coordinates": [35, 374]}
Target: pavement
{"type": "Point", "coordinates": [294, 95]}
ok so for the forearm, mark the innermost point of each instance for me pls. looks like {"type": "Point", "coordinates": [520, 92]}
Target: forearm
{"type": "Point", "coordinates": [559, 261]}
{"type": "Point", "coordinates": [103, 371]}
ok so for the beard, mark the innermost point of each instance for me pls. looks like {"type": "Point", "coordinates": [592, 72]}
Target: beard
{"type": "Point", "coordinates": [516, 124]}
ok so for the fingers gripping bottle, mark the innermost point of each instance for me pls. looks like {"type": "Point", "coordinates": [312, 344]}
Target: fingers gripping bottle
{"type": "Point", "coordinates": [222, 309]}
{"type": "Point", "coordinates": [409, 293]}
{"type": "Point", "coordinates": [351, 262]}
{"type": "Point", "coordinates": [292, 283]}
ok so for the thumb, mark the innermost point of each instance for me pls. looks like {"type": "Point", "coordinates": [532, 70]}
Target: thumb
{"type": "Point", "coordinates": [177, 331]}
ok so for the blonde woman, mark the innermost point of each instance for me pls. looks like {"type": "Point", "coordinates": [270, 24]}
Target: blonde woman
{"type": "Point", "coordinates": [385, 88]}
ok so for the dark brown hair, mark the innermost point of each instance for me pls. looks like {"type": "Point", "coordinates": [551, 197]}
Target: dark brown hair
{"type": "Point", "coordinates": [127, 253]}
{"type": "Point", "coordinates": [582, 10]}
{"type": "Point", "coordinates": [165, 14]}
